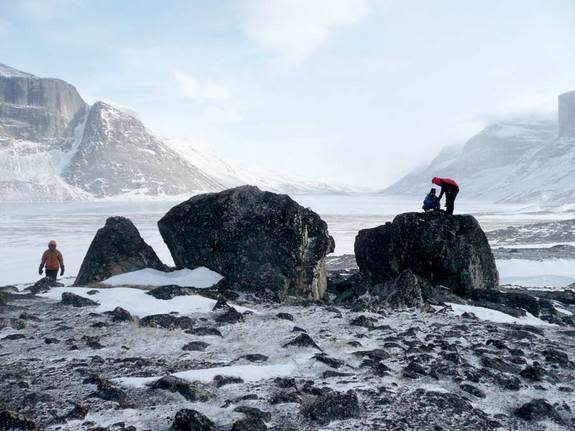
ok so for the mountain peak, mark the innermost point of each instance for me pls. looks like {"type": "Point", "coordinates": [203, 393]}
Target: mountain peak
{"type": "Point", "coordinates": [10, 72]}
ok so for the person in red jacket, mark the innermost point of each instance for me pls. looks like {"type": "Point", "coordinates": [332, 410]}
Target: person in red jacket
{"type": "Point", "coordinates": [450, 188]}
{"type": "Point", "coordinates": [53, 260]}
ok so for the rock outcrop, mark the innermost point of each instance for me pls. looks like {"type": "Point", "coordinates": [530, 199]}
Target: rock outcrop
{"type": "Point", "coordinates": [117, 248]}
{"type": "Point", "coordinates": [259, 241]}
{"type": "Point", "coordinates": [567, 114]}
{"type": "Point", "coordinates": [409, 258]}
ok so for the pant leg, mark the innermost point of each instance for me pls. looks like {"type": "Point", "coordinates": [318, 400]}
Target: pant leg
{"type": "Point", "coordinates": [52, 273]}
{"type": "Point", "coordinates": [449, 202]}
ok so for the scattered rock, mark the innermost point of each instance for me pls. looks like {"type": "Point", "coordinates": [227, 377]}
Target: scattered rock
{"type": "Point", "coordinates": [333, 406]}
{"type": "Point", "coordinates": [195, 346]}
{"type": "Point", "coordinates": [106, 390]}
{"type": "Point", "coordinates": [174, 384]}
{"type": "Point", "coordinates": [473, 390]}
{"type": "Point", "coordinates": [170, 292]}
{"type": "Point", "coordinates": [375, 354]}
{"type": "Point", "coordinates": [12, 421]}
{"type": "Point", "coordinates": [254, 357]}
{"type": "Point", "coordinates": [251, 423]}
{"type": "Point", "coordinates": [254, 412]}
{"type": "Point", "coordinates": [364, 321]}
{"type": "Point", "coordinates": [285, 316]}
{"type": "Point", "coordinates": [167, 321]}
{"type": "Point", "coordinates": [43, 285]}
{"type": "Point", "coordinates": [226, 380]}
{"type": "Point", "coordinates": [204, 331]}
{"type": "Point", "coordinates": [499, 364]}
{"type": "Point", "coordinates": [49, 340]}
{"type": "Point", "coordinates": [119, 314]}
{"type": "Point", "coordinates": [556, 356]}
{"type": "Point", "coordinates": [538, 409]}
{"type": "Point", "coordinates": [69, 298]}
{"type": "Point", "coordinates": [329, 361]}
{"type": "Point", "coordinates": [14, 337]}
{"type": "Point", "coordinates": [117, 248]}
{"type": "Point", "coordinates": [302, 340]}
{"type": "Point", "coordinates": [192, 420]}
{"type": "Point", "coordinates": [213, 229]}
{"type": "Point", "coordinates": [230, 315]}
{"type": "Point", "coordinates": [533, 372]}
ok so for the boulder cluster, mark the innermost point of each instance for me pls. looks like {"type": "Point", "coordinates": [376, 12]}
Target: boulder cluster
{"type": "Point", "coordinates": [269, 245]}
{"type": "Point", "coordinates": [261, 242]}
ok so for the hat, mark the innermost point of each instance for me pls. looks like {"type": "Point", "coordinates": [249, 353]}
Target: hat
{"type": "Point", "coordinates": [52, 242]}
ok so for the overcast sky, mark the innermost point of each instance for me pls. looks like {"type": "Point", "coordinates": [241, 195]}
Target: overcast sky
{"type": "Point", "coordinates": [353, 91]}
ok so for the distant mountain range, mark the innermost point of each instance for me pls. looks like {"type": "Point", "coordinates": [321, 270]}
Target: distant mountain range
{"type": "Point", "coordinates": [520, 161]}
{"type": "Point", "coordinates": [54, 147]}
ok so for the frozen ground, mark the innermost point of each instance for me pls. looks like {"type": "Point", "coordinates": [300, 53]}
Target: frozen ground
{"type": "Point", "coordinates": [455, 368]}
{"type": "Point", "coordinates": [25, 229]}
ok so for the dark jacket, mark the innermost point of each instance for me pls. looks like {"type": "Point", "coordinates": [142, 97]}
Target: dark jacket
{"type": "Point", "coordinates": [431, 202]}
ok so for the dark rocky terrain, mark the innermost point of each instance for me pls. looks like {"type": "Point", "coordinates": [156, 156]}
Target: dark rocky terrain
{"type": "Point", "coordinates": [394, 369]}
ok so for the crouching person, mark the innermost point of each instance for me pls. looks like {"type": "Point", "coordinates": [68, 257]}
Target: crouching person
{"type": "Point", "coordinates": [53, 260]}
{"type": "Point", "coordinates": [431, 202]}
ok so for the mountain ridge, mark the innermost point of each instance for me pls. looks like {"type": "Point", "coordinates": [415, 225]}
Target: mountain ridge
{"type": "Point", "coordinates": [514, 161]}
{"type": "Point", "coordinates": [55, 146]}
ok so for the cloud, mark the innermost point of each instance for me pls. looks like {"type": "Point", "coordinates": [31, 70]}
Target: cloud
{"type": "Point", "coordinates": [293, 29]}
{"type": "Point", "coordinates": [46, 9]}
{"type": "Point", "coordinates": [5, 25]}
{"type": "Point", "coordinates": [192, 88]}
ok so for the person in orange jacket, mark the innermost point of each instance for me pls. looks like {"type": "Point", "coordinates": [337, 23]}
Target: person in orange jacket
{"type": "Point", "coordinates": [53, 260]}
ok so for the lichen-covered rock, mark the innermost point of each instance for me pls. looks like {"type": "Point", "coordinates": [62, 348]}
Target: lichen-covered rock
{"type": "Point", "coordinates": [10, 420]}
{"type": "Point", "coordinates": [117, 248]}
{"type": "Point", "coordinates": [333, 406]}
{"type": "Point", "coordinates": [191, 420]}
{"type": "Point", "coordinates": [74, 300]}
{"type": "Point", "coordinates": [261, 242]}
{"type": "Point", "coordinates": [450, 251]}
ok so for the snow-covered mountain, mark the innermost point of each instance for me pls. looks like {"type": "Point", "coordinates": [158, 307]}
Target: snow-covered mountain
{"type": "Point", "coordinates": [520, 161]}
{"type": "Point", "coordinates": [54, 146]}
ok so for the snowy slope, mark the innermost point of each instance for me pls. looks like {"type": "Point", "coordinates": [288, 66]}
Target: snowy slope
{"type": "Point", "coordinates": [489, 165]}
{"type": "Point", "coordinates": [231, 175]}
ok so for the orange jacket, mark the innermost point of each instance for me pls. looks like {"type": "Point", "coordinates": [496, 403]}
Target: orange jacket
{"type": "Point", "coordinates": [52, 259]}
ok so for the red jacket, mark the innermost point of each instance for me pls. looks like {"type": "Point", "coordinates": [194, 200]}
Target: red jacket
{"type": "Point", "coordinates": [447, 185]}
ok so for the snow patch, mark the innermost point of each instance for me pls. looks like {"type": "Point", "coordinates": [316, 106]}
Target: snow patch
{"type": "Point", "coordinates": [531, 273]}
{"type": "Point", "coordinates": [248, 373]}
{"type": "Point", "coordinates": [138, 302]}
{"type": "Point", "coordinates": [497, 316]}
{"type": "Point", "coordinates": [201, 278]}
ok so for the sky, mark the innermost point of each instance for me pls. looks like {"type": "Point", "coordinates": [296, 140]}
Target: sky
{"type": "Point", "coordinates": [356, 92]}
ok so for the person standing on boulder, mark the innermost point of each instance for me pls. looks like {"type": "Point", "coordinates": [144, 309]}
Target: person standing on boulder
{"type": "Point", "coordinates": [53, 260]}
{"type": "Point", "coordinates": [450, 188]}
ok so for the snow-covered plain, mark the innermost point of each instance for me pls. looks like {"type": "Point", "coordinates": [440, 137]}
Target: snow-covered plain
{"type": "Point", "coordinates": [25, 229]}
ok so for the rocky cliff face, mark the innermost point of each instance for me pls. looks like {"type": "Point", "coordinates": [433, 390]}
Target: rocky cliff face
{"type": "Point", "coordinates": [36, 109]}
{"type": "Point", "coordinates": [53, 146]}
{"type": "Point", "coordinates": [567, 114]}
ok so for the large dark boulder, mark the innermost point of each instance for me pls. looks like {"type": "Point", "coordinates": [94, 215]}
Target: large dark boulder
{"type": "Point", "coordinates": [261, 242]}
{"type": "Point", "coordinates": [444, 250]}
{"type": "Point", "coordinates": [117, 248]}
